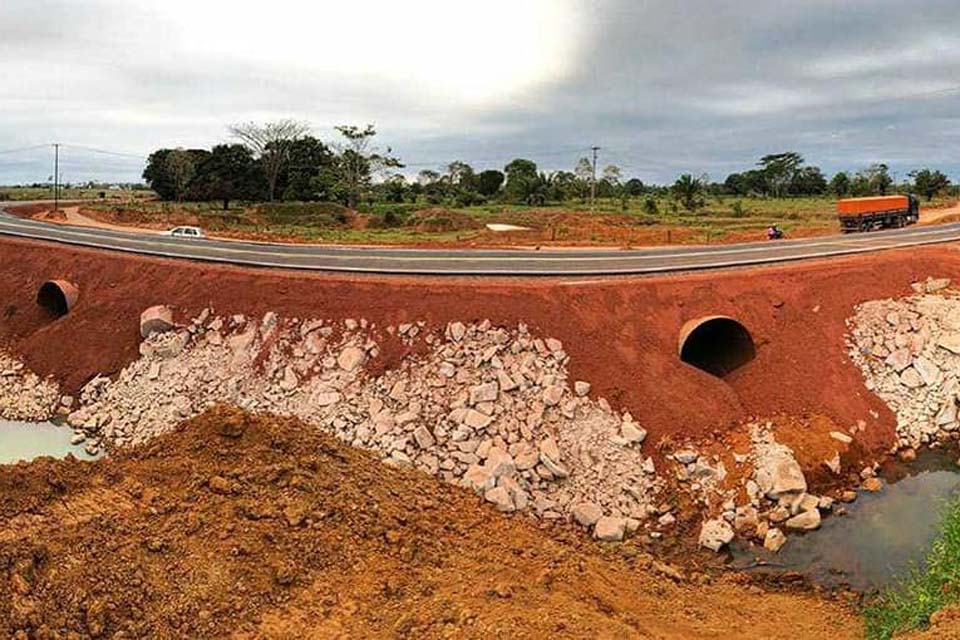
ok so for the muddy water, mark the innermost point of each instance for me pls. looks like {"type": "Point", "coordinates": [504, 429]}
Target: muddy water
{"type": "Point", "coordinates": [26, 441]}
{"type": "Point", "coordinates": [882, 535]}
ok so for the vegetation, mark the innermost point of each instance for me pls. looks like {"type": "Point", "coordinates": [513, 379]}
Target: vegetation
{"type": "Point", "coordinates": [909, 604]}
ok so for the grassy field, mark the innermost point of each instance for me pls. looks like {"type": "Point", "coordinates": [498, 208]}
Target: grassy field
{"type": "Point", "coordinates": [642, 222]}
{"type": "Point", "coordinates": [20, 194]}
{"type": "Point", "coordinates": [909, 605]}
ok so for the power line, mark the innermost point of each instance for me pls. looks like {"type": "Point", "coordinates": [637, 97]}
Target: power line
{"type": "Point", "coordinates": [21, 149]}
{"type": "Point", "coordinates": [121, 154]}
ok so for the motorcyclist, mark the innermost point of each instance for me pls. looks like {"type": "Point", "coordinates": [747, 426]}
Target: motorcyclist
{"type": "Point", "coordinates": [774, 232]}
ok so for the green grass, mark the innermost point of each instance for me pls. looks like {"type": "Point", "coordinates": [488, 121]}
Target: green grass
{"type": "Point", "coordinates": [721, 219]}
{"type": "Point", "coordinates": [20, 194]}
{"type": "Point", "coordinates": [909, 604]}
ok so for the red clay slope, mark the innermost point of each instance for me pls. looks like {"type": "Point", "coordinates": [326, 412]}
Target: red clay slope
{"type": "Point", "coordinates": [621, 333]}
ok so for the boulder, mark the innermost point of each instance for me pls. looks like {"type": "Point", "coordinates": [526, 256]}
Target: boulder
{"type": "Point", "coordinates": [779, 473]}
{"type": "Point", "coordinates": [806, 521]}
{"type": "Point", "coordinates": [609, 529]}
{"type": "Point", "coordinates": [351, 358]}
{"type": "Point", "coordinates": [774, 540]}
{"type": "Point", "coordinates": [484, 393]}
{"type": "Point", "coordinates": [156, 319]}
{"type": "Point", "coordinates": [581, 388]}
{"type": "Point", "coordinates": [911, 379]}
{"type": "Point", "coordinates": [586, 513]}
{"type": "Point", "coordinates": [500, 498]}
{"type": "Point", "coordinates": [632, 433]}
{"type": "Point", "coordinates": [716, 534]}
{"type": "Point", "coordinates": [950, 342]}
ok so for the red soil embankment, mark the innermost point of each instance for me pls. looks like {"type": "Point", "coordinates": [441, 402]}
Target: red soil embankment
{"type": "Point", "coordinates": [621, 333]}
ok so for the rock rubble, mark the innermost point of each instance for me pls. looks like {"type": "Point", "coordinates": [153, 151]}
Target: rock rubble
{"type": "Point", "coordinates": [486, 407]}
{"type": "Point", "coordinates": [23, 395]}
{"type": "Point", "coordinates": [909, 352]}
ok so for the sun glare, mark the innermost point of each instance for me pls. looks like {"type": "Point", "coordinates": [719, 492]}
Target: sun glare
{"type": "Point", "coordinates": [473, 53]}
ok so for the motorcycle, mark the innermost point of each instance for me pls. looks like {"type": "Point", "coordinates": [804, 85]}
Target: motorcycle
{"type": "Point", "coordinates": [774, 233]}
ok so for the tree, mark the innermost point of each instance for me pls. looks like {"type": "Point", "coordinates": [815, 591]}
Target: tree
{"type": "Point", "coordinates": [779, 169]}
{"type": "Point", "coordinates": [522, 180]}
{"type": "Point", "coordinates": [689, 191]}
{"type": "Point", "coordinates": [584, 173]}
{"type": "Point", "coordinates": [840, 185]}
{"type": "Point", "coordinates": [308, 175]}
{"type": "Point", "coordinates": [360, 160]}
{"type": "Point", "coordinates": [611, 173]}
{"type": "Point", "coordinates": [461, 174]}
{"type": "Point", "coordinates": [808, 181]}
{"type": "Point", "coordinates": [489, 182]}
{"type": "Point", "coordinates": [929, 183]}
{"type": "Point", "coordinates": [180, 168]}
{"type": "Point", "coordinates": [270, 142]}
{"type": "Point", "coordinates": [634, 187]}
{"type": "Point", "coordinates": [157, 174]}
{"type": "Point", "coordinates": [878, 176]}
{"type": "Point", "coordinates": [229, 173]}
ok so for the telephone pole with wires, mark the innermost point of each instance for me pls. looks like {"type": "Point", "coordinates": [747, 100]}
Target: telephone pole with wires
{"type": "Point", "coordinates": [56, 177]}
{"type": "Point", "coordinates": [593, 179]}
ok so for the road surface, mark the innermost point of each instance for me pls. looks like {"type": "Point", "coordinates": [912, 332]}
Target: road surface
{"type": "Point", "coordinates": [507, 262]}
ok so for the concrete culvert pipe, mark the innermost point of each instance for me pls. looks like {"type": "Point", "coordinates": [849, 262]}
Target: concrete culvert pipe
{"type": "Point", "coordinates": [716, 344]}
{"type": "Point", "coordinates": [58, 296]}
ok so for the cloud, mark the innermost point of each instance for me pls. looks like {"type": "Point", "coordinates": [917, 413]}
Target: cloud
{"type": "Point", "coordinates": [663, 87]}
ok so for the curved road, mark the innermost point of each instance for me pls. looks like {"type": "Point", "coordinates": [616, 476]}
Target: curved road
{"type": "Point", "coordinates": [512, 262]}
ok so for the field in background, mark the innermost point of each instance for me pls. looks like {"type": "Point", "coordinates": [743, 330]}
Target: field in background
{"type": "Point", "coordinates": [643, 222]}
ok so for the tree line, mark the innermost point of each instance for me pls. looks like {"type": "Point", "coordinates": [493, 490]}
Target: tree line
{"type": "Point", "coordinates": [281, 160]}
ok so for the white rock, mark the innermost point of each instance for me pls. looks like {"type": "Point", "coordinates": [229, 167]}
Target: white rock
{"type": "Point", "coordinates": [609, 529]}
{"type": "Point", "coordinates": [586, 513]}
{"type": "Point", "coordinates": [500, 498]}
{"type": "Point", "coordinates": [774, 540]}
{"type": "Point", "coordinates": [350, 358]}
{"type": "Point", "coordinates": [806, 521]}
{"type": "Point", "coordinates": [716, 534]}
{"type": "Point", "coordinates": [581, 388]}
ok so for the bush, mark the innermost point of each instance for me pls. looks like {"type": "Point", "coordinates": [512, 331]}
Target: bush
{"type": "Point", "coordinates": [737, 210]}
{"type": "Point", "coordinates": [307, 214]}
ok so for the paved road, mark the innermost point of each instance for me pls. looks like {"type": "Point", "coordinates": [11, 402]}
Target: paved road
{"type": "Point", "coordinates": [478, 262]}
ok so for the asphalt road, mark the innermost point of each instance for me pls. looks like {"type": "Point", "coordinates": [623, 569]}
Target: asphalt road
{"type": "Point", "coordinates": [515, 262]}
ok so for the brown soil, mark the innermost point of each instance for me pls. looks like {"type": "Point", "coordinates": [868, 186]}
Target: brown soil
{"type": "Point", "coordinates": [621, 333]}
{"type": "Point", "coordinates": [234, 526]}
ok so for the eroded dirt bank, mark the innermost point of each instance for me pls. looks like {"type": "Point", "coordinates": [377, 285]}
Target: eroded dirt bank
{"type": "Point", "coordinates": [233, 526]}
{"type": "Point", "coordinates": [621, 334]}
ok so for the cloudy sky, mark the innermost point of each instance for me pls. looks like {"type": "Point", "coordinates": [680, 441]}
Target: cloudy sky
{"type": "Point", "coordinates": [701, 86]}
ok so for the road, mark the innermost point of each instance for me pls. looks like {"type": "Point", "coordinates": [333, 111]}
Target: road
{"type": "Point", "coordinates": [507, 262]}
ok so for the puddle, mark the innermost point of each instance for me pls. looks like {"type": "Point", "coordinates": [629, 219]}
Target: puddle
{"type": "Point", "coordinates": [880, 537]}
{"type": "Point", "coordinates": [29, 440]}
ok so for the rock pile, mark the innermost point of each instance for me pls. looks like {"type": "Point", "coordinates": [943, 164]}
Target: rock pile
{"type": "Point", "coordinates": [23, 395]}
{"type": "Point", "coordinates": [909, 353]}
{"type": "Point", "coordinates": [774, 485]}
{"type": "Point", "coordinates": [486, 407]}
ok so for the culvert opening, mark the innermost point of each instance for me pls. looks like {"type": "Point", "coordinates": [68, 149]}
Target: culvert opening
{"type": "Point", "coordinates": [57, 297]}
{"type": "Point", "coordinates": [716, 344]}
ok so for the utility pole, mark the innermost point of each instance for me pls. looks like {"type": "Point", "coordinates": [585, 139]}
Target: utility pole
{"type": "Point", "coordinates": [593, 179]}
{"type": "Point", "coordinates": [56, 177]}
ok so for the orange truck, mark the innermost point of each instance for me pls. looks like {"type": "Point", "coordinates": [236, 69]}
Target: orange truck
{"type": "Point", "coordinates": [881, 212]}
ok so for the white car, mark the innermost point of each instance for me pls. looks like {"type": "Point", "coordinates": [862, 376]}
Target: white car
{"type": "Point", "coordinates": [185, 232]}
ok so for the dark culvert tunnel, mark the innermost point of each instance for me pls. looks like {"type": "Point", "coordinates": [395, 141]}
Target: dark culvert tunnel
{"type": "Point", "coordinates": [718, 345]}
{"type": "Point", "coordinates": [57, 297]}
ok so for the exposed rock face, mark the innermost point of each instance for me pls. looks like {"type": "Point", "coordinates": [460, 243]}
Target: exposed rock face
{"type": "Point", "coordinates": [486, 407]}
{"type": "Point", "coordinates": [909, 352]}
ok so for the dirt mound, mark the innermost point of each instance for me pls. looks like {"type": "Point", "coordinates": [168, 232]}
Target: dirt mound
{"type": "Point", "coordinates": [439, 220]}
{"type": "Point", "coordinates": [262, 527]}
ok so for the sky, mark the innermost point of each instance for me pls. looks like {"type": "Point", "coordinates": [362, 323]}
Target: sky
{"type": "Point", "coordinates": [664, 88]}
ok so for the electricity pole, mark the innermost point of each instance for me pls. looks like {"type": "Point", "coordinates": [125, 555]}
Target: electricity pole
{"type": "Point", "coordinates": [56, 177]}
{"type": "Point", "coordinates": [593, 179]}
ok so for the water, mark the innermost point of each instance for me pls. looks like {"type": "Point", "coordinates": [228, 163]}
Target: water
{"type": "Point", "coordinates": [27, 440]}
{"type": "Point", "coordinates": [882, 535]}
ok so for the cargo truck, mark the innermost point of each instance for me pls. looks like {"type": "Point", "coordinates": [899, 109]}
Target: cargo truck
{"type": "Point", "coordinates": [882, 212]}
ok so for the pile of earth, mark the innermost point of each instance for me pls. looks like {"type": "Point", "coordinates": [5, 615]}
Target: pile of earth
{"type": "Point", "coordinates": [243, 526]}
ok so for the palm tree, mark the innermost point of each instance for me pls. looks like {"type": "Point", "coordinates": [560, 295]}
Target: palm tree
{"type": "Point", "coordinates": [688, 191]}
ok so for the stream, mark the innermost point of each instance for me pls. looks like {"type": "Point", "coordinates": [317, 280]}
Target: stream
{"type": "Point", "coordinates": [882, 535]}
